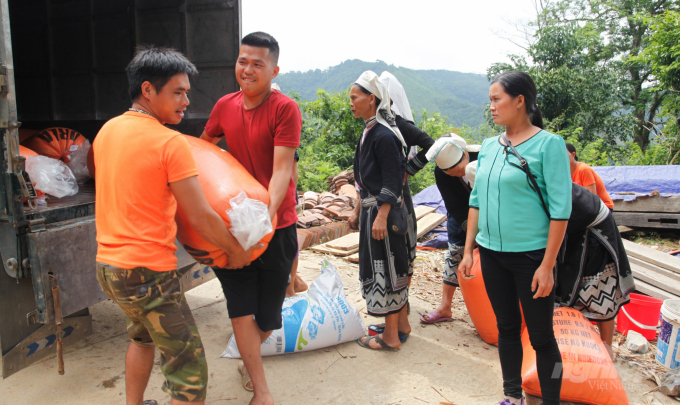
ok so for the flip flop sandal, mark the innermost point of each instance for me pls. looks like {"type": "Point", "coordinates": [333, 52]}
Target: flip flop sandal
{"type": "Point", "coordinates": [150, 402]}
{"type": "Point", "coordinates": [434, 318]}
{"type": "Point", "coordinates": [245, 377]}
{"type": "Point", "coordinates": [374, 330]}
{"type": "Point", "coordinates": [383, 346]}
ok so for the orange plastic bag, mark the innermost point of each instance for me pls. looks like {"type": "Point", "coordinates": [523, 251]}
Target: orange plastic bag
{"type": "Point", "coordinates": [589, 377]}
{"type": "Point", "coordinates": [478, 304]}
{"type": "Point", "coordinates": [56, 143]}
{"type": "Point", "coordinates": [222, 178]}
{"type": "Point", "coordinates": [25, 152]}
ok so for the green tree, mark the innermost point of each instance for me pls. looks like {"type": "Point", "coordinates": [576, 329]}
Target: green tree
{"type": "Point", "coordinates": [663, 57]}
{"type": "Point", "coordinates": [584, 61]}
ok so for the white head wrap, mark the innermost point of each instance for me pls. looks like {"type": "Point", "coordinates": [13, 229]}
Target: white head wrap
{"type": "Point", "coordinates": [371, 82]}
{"type": "Point", "coordinates": [400, 104]}
{"type": "Point", "coordinates": [447, 151]}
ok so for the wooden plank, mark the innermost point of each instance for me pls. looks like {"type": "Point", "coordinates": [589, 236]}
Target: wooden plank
{"type": "Point", "coordinates": [353, 258]}
{"type": "Point", "coordinates": [423, 210]}
{"type": "Point", "coordinates": [624, 229]}
{"type": "Point", "coordinates": [658, 280]}
{"type": "Point", "coordinates": [429, 222]}
{"type": "Point", "coordinates": [652, 291]}
{"type": "Point", "coordinates": [347, 242]}
{"type": "Point", "coordinates": [648, 219]}
{"type": "Point", "coordinates": [660, 259]}
{"type": "Point", "coordinates": [649, 204]}
{"type": "Point", "coordinates": [654, 268]}
{"type": "Point", "coordinates": [335, 252]}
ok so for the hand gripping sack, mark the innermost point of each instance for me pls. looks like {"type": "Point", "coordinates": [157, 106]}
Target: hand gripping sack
{"type": "Point", "coordinates": [62, 143]}
{"type": "Point", "coordinates": [589, 376]}
{"type": "Point", "coordinates": [320, 317]}
{"type": "Point", "coordinates": [222, 178]}
{"type": "Point", "coordinates": [478, 304]}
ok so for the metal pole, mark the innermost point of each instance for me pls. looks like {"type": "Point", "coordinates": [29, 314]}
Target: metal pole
{"type": "Point", "coordinates": [58, 319]}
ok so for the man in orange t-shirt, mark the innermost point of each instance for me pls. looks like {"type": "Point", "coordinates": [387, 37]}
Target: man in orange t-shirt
{"type": "Point", "coordinates": [144, 170]}
{"type": "Point", "coordinates": [585, 176]}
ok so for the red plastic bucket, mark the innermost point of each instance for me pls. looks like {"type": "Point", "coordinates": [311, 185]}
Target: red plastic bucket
{"type": "Point", "coordinates": [641, 315]}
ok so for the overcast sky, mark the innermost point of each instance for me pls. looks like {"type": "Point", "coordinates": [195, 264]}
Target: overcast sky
{"type": "Point", "coordinates": [464, 36]}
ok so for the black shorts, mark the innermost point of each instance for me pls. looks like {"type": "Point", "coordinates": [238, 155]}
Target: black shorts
{"type": "Point", "coordinates": [259, 289]}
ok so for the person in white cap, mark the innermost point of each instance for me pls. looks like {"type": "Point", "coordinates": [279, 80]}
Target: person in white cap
{"type": "Point", "coordinates": [379, 167]}
{"type": "Point", "coordinates": [455, 175]}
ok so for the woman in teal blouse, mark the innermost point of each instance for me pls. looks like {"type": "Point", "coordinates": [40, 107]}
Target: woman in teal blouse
{"type": "Point", "coordinates": [519, 235]}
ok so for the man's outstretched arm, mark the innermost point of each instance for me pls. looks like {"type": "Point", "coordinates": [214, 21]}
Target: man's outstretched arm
{"type": "Point", "coordinates": [211, 139]}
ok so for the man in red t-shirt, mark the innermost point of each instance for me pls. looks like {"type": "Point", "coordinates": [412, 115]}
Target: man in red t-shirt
{"type": "Point", "coordinates": [262, 129]}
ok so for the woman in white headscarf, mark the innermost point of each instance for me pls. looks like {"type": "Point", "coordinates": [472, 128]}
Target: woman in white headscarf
{"type": "Point", "coordinates": [414, 138]}
{"type": "Point", "coordinates": [379, 167]}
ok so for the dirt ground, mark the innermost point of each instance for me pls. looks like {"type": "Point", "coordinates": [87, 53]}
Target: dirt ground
{"type": "Point", "coordinates": [439, 364]}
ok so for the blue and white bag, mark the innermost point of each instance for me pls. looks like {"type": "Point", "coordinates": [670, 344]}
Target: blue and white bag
{"type": "Point", "coordinates": [318, 318]}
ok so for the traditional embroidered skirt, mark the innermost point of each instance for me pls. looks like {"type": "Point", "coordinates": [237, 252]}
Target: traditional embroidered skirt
{"type": "Point", "coordinates": [599, 296]}
{"type": "Point", "coordinates": [383, 265]}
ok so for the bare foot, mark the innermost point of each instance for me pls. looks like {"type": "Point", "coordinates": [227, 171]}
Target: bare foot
{"type": "Point", "coordinates": [262, 399]}
{"type": "Point", "coordinates": [300, 285]}
{"type": "Point", "coordinates": [375, 345]}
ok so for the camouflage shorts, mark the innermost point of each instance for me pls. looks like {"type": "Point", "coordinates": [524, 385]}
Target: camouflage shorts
{"type": "Point", "coordinates": [158, 315]}
{"type": "Point", "coordinates": [452, 259]}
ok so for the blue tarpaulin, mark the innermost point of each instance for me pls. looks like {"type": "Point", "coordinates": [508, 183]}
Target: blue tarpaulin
{"type": "Point", "coordinates": [640, 179]}
{"type": "Point", "coordinates": [431, 197]}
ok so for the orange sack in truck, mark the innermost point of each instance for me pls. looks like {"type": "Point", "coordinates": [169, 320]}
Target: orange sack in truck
{"type": "Point", "coordinates": [222, 178]}
{"type": "Point", "coordinates": [589, 376]}
{"type": "Point", "coordinates": [56, 143]}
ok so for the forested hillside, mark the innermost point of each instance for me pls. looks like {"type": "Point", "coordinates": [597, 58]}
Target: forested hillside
{"type": "Point", "coordinates": [458, 96]}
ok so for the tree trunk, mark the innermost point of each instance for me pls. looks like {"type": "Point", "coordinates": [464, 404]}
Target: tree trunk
{"type": "Point", "coordinates": [640, 133]}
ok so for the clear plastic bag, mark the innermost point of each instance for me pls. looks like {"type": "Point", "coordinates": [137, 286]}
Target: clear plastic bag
{"type": "Point", "coordinates": [51, 176]}
{"type": "Point", "coordinates": [250, 221]}
{"type": "Point", "coordinates": [78, 162]}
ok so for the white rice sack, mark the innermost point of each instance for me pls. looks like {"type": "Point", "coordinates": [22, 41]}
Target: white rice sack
{"type": "Point", "coordinates": [318, 318]}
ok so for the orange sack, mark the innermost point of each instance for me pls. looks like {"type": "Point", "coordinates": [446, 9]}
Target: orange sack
{"type": "Point", "coordinates": [589, 376]}
{"type": "Point", "coordinates": [222, 178]}
{"type": "Point", "coordinates": [90, 161]}
{"type": "Point", "coordinates": [25, 152]}
{"type": "Point", "coordinates": [478, 304]}
{"type": "Point", "coordinates": [56, 143]}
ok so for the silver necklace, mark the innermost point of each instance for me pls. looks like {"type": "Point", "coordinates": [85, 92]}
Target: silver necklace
{"type": "Point", "coordinates": [140, 111]}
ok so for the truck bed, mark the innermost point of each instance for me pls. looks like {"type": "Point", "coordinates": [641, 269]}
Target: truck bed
{"type": "Point", "coordinates": [66, 208]}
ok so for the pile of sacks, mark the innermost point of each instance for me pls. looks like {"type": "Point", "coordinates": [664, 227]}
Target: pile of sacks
{"type": "Point", "coordinates": [321, 209]}
{"type": "Point", "coordinates": [335, 183]}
